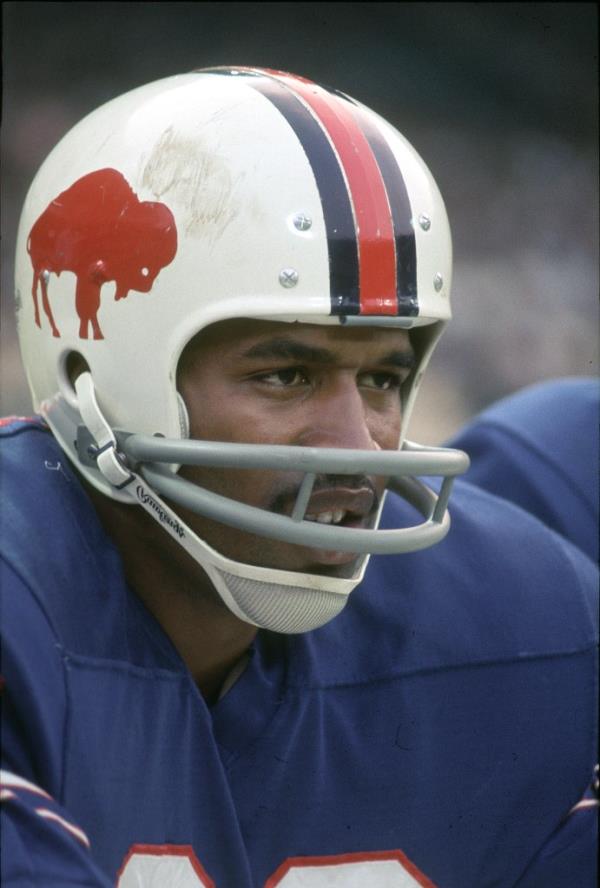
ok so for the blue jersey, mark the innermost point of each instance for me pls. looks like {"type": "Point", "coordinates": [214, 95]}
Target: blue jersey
{"type": "Point", "coordinates": [539, 448]}
{"type": "Point", "coordinates": [440, 731]}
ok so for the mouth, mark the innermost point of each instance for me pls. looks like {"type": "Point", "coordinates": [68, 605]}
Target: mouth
{"type": "Point", "coordinates": [336, 501]}
{"type": "Point", "coordinates": [340, 507]}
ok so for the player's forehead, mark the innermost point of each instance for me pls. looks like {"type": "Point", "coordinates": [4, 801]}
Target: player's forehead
{"type": "Point", "coordinates": [250, 338]}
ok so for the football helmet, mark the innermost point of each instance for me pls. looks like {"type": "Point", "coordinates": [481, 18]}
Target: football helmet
{"type": "Point", "coordinates": [218, 194]}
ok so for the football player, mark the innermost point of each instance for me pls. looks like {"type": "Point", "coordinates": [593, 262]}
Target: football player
{"type": "Point", "coordinates": [539, 448]}
{"type": "Point", "coordinates": [241, 647]}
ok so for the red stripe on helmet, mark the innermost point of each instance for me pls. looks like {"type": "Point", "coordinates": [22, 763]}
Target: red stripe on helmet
{"type": "Point", "coordinates": [373, 218]}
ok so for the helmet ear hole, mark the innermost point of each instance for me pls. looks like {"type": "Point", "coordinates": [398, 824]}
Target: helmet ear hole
{"type": "Point", "coordinates": [75, 365]}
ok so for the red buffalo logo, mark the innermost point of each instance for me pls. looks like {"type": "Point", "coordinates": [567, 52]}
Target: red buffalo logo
{"type": "Point", "coordinates": [99, 230]}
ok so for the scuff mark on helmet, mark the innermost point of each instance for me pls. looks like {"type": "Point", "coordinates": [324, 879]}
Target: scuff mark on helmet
{"type": "Point", "coordinates": [197, 181]}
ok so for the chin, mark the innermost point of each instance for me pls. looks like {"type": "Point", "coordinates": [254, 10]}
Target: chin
{"type": "Point", "coordinates": [276, 555]}
{"type": "Point", "coordinates": [321, 558]}
{"type": "Point", "coordinates": [299, 559]}
{"type": "Point", "coordinates": [323, 563]}
{"type": "Point", "coordinates": [343, 569]}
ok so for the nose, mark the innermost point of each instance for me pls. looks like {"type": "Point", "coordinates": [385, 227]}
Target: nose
{"type": "Point", "coordinates": [339, 417]}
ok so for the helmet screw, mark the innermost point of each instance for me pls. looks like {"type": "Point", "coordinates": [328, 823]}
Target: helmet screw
{"type": "Point", "coordinates": [438, 282]}
{"type": "Point", "coordinates": [424, 221]}
{"type": "Point", "coordinates": [288, 277]}
{"type": "Point", "coordinates": [302, 222]}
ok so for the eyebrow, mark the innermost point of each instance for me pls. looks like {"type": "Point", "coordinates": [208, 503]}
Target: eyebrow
{"type": "Point", "coordinates": [291, 349]}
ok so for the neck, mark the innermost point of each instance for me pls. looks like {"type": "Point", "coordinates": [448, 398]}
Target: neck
{"type": "Point", "coordinates": [175, 589]}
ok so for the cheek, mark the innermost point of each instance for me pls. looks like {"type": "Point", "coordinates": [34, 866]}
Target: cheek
{"type": "Point", "coordinates": [214, 416]}
{"type": "Point", "coordinates": [254, 487]}
{"type": "Point", "coordinates": [384, 427]}
{"type": "Point", "coordinates": [239, 420]}
{"type": "Point", "coordinates": [220, 411]}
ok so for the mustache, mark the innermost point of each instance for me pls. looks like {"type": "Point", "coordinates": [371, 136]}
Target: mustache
{"type": "Point", "coordinates": [281, 501]}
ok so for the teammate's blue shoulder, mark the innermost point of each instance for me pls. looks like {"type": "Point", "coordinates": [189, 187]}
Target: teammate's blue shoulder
{"type": "Point", "coordinates": [537, 407]}
{"type": "Point", "coordinates": [539, 449]}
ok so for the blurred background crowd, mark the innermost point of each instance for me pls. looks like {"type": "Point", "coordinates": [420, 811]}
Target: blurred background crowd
{"type": "Point", "coordinates": [501, 100]}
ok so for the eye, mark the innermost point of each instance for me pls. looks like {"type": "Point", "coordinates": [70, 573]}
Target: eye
{"type": "Point", "coordinates": [380, 380]}
{"type": "Point", "coordinates": [284, 377]}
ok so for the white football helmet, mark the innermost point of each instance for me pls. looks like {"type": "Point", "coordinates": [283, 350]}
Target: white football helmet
{"type": "Point", "coordinates": [228, 193]}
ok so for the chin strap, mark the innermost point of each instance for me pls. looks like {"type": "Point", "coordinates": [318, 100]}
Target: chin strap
{"type": "Point", "coordinates": [111, 465]}
{"type": "Point", "coordinates": [104, 452]}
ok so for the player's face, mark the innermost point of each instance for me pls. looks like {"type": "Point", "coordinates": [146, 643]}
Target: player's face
{"type": "Point", "coordinates": [263, 382]}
